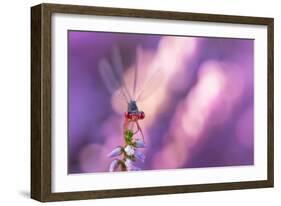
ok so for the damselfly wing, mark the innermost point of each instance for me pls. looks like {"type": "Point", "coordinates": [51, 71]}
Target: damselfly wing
{"type": "Point", "coordinates": [130, 89]}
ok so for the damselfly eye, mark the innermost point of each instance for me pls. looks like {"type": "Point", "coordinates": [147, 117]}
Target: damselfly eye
{"type": "Point", "coordinates": [142, 115]}
{"type": "Point", "coordinates": [127, 115]}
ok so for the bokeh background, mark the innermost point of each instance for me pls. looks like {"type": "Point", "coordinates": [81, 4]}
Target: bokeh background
{"type": "Point", "coordinates": [199, 109]}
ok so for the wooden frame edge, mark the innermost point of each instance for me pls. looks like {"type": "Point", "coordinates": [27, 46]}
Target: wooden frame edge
{"type": "Point", "coordinates": [270, 100]}
{"type": "Point", "coordinates": [40, 102]}
{"type": "Point", "coordinates": [84, 195]}
{"type": "Point", "coordinates": [36, 58]}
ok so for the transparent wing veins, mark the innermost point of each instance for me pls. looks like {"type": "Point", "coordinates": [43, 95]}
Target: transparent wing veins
{"type": "Point", "coordinates": [118, 65]}
{"type": "Point", "coordinates": [109, 79]}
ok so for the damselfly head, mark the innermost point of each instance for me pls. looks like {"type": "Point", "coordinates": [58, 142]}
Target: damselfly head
{"type": "Point", "coordinates": [133, 112]}
{"type": "Point", "coordinates": [142, 115]}
{"type": "Point", "coordinates": [132, 107]}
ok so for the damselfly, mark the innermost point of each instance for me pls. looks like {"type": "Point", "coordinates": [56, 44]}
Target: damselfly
{"type": "Point", "coordinates": [112, 73]}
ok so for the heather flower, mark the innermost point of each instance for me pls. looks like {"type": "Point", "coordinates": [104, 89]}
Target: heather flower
{"type": "Point", "coordinates": [129, 150]}
{"type": "Point", "coordinates": [139, 143]}
{"type": "Point", "coordinates": [139, 155]}
{"type": "Point", "coordinates": [113, 165]}
{"type": "Point", "coordinates": [128, 154]}
{"type": "Point", "coordinates": [130, 166]}
{"type": "Point", "coordinates": [116, 152]}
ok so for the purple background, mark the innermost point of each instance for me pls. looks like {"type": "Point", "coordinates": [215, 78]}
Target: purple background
{"type": "Point", "coordinates": [201, 114]}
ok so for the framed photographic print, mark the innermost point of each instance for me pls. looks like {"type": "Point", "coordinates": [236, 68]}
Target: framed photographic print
{"type": "Point", "coordinates": [132, 102]}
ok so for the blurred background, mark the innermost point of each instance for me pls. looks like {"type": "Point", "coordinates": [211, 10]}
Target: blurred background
{"type": "Point", "coordinates": [199, 106]}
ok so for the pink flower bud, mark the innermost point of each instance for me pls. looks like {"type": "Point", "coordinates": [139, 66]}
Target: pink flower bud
{"type": "Point", "coordinates": [116, 152]}
{"type": "Point", "coordinates": [113, 165]}
{"type": "Point", "coordinates": [139, 155]}
{"type": "Point", "coordinates": [139, 143]}
{"type": "Point", "coordinates": [130, 166]}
